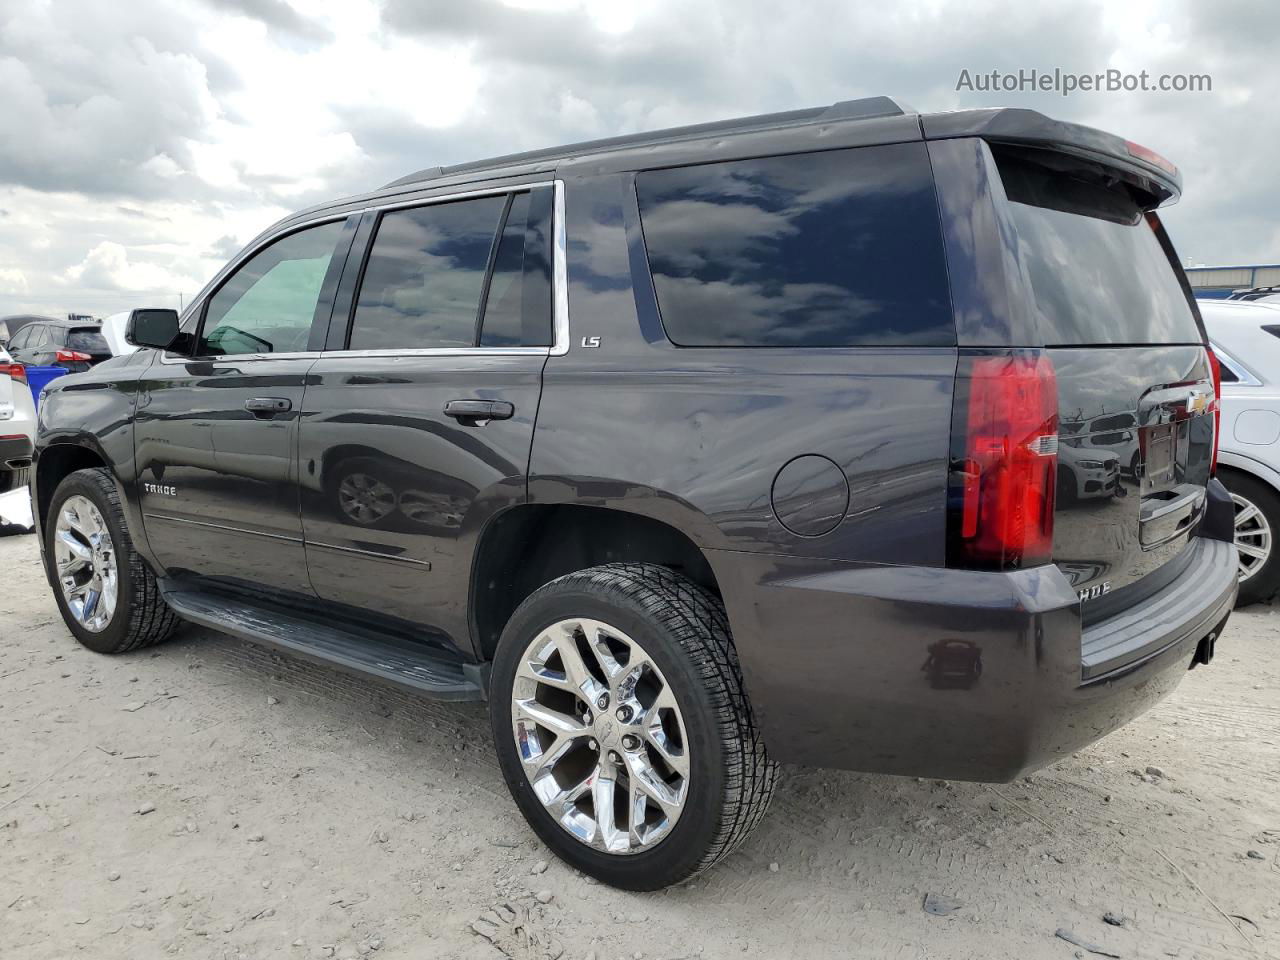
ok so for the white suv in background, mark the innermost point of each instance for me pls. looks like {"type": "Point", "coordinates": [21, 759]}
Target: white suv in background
{"type": "Point", "coordinates": [17, 423]}
{"type": "Point", "coordinates": [1246, 337]}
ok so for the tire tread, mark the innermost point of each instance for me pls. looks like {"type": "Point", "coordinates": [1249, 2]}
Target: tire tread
{"type": "Point", "coordinates": [151, 620]}
{"type": "Point", "coordinates": [697, 622]}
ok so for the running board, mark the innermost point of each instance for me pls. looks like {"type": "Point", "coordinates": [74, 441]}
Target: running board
{"type": "Point", "coordinates": [402, 662]}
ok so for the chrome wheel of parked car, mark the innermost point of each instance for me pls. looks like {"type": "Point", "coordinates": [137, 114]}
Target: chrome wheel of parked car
{"type": "Point", "coordinates": [1253, 537]}
{"type": "Point", "coordinates": [600, 736]}
{"type": "Point", "coordinates": [86, 565]}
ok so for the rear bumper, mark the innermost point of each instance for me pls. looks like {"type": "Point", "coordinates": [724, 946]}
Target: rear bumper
{"type": "Point", "coordinates": [15, 452]}
{"type": "Point", "coordinates": [948, 673]}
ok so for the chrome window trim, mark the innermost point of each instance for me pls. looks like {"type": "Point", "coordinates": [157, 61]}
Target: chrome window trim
{"type": "Point", "coordinates": [1243, 377]}
{"type": "Point", "coordinates": [559, 276]}
{"type": "Point", "coordinates": [559, 286]}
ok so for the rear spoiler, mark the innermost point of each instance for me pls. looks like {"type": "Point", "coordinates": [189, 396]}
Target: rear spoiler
{"type": "Point", "coordinates": [1145, 168]}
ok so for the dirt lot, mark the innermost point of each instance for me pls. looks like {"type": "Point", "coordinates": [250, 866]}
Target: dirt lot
{"type": "Point", "coordinates": [300, 813]}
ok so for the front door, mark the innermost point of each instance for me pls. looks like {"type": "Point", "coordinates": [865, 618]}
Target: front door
{"type": "Point", "coordinates": [216, 430]}
{"type": "Point", "coordinates": [417, 427]}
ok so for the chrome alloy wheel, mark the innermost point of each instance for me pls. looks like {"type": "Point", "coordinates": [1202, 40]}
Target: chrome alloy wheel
{"type": "Point", "coordinates": [86, 563]}
{"type": "Point", "coordinates": [1253, 537]}
{"type": "Point", "coordinates": [600, 736]}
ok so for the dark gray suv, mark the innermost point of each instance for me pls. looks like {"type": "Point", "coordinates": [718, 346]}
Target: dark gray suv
{"type": "Point", "coordinates": [847, 436]}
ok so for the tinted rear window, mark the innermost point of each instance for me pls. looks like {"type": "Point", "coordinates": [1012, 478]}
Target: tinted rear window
{"type": "Point", "coordinates": [840, 248]}
{"type": "Point", "coordinates": [87, 341]}
{"type": "Point", "coordinates": [1098, 272]}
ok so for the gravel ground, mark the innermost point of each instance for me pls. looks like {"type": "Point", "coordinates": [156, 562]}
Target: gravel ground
{"type": "Point", "coordinates": [212, 799]}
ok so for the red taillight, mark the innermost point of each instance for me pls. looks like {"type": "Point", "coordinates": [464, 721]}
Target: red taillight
{"type": "Point", "coordinates": [71, 356]}
{"type": "Point", "coordinates": [1150, 156]}
{"type": "Point", "coordinates": [1216, 366]}
{"type": "Point", "coordinates": [16, 371]}
{"type": "Point", "coordinates": [1005, 464]}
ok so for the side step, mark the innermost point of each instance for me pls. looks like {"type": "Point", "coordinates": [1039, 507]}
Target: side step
{"type": "Point", "coordinates": [399, 661]}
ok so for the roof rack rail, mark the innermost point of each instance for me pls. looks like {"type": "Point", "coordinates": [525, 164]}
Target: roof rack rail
{"type": "Point", "coordinates": [865, 108]}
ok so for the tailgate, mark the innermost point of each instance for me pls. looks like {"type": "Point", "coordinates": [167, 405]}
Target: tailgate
{"type": "Point", "coordinates": [1135, 439]}
{"type": "Point", "coordinates": [1135, 390]}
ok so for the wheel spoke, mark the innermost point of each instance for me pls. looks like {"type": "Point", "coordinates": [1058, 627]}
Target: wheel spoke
{"type": "Point", "coordinates": [603, 792]}
{"type": "Point", "coordinates": [1250, 550]}
{"type": "Point", "coordinates": [73, 520]}
{"type": "Point", "coordinates": [674, 758]}
{"type": "Point", "coordinates": [637, 803]}
{"type": "Point", "coordinates": [575, 668]}
{"type": "Point", "coordinates": [1245, 514]}
{"type": "Point", "coordinates": [80, 552]}
{"type": "Point", "coordinates": [91, 597]}
{"type": "Point", "coordinates": [646, 781]}
{"type": "Point", "coordinates": [561, 724]}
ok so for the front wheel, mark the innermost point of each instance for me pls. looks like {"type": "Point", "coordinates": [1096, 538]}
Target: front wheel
{"type": "Point", "coordinates": [108, 597]}
{"type": "Point", "coordinates": [622, 726]}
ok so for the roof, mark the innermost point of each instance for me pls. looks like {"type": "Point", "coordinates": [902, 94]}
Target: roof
{"type": "Point", "coordinates": [864, 109]}
{"type": "Point", "coordinates": [847, 123]}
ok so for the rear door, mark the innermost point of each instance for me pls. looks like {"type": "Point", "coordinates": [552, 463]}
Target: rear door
{"type": "Point", "coordinates": [1134, 384]}
{"type": "Point", "coordinates": [417, 423]}
{"type": "Point", "coordinates": [27, 345]}
{"type": "Point", "coordinates": [216, 429]}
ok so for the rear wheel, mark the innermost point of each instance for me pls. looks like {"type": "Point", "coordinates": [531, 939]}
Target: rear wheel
{"type": "Point", "coordinates": [1257, 524]}
{"type": "Point", "coordinates": [622, 727]}
{"type": "Point", "coordinates": [108, 597]}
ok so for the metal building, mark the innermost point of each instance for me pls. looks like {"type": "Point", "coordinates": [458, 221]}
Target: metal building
{"type": "Point", "coordinates": [1220, 281]}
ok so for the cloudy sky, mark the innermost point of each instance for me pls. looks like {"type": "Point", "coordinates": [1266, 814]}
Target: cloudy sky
{"type": "Point", "coordinates": [145, 141]}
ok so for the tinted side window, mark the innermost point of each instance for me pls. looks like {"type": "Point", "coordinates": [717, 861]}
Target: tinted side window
{"type": "Point", "coordinates": [502, 310]}
{"type": "Point", "coordinates": [20, 339]}
{"type": "Point", "coordinates": [840, 248]}
{"type": "Point", "coordinates": [425, 275]}
{"type": "Point", "coordinates": [268, 304]}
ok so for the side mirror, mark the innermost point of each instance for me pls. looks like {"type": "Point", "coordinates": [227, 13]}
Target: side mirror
{"type": "Point", "coordinates": [151, 328]}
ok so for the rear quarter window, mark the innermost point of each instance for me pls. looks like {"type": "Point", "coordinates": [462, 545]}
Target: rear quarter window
{"type": "Point", "coordinates": [835, 249]}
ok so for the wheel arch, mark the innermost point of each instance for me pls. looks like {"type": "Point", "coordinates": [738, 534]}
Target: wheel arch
{"type": "Point", "coordinates": [55, 462]}
{"type": "Point", "coordinates": [1248, 466]}
{"type": "Point", "coordinates": [528, 545]}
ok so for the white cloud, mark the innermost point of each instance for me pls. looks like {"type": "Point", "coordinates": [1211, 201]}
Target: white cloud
{"type": "Point", "coordinates": [146, 139]}
{"type": "Point", "coordinates": [13, 281]}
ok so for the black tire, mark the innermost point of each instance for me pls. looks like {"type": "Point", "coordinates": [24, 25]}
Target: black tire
{"type": "Point", "coordinates": [1265, 581]}
{"type": "Point", "coordinates": [684, 630]}
{"type": "Point", "coordinates": [13, 479]}
{"type": "Point", "coordinates": [141, 616]}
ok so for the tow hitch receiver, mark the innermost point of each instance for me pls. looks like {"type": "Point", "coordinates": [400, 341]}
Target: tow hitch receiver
{"type": "Point", "coordinates": [1205, 648]}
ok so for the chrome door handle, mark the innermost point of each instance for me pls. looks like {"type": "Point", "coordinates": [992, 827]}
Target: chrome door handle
{"type": "Point", "coordinates": [472, 413]}
{"type": "Point", "coordinates": [266, 407]}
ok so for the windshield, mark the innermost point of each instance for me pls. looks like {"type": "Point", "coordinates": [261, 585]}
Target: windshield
{"type": "Point", "coordinates": [1097, 268]}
